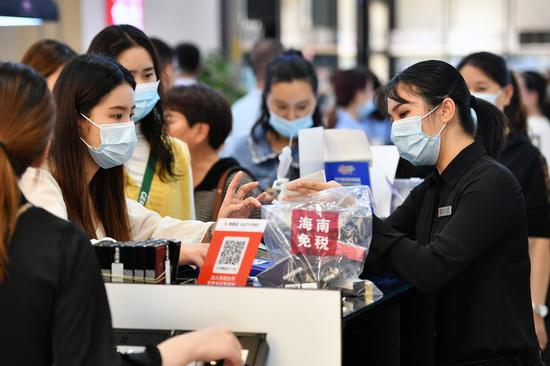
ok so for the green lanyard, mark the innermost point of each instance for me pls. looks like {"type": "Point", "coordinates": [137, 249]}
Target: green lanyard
{"type": "Point", "coordinates": [147, 180]}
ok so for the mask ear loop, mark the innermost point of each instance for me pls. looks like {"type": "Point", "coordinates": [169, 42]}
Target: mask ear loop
{"type": "Point", "coordinates": [430, 112]}
{"type": "Point", "coordinates": [93, 123]}
{"type": "Point", "coordinates": [89, 120]}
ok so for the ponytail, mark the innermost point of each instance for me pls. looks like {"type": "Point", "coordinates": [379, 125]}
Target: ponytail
{"type": "Point", "coordinates": [490, 126]}
{"type": "Point", "coordinates": [9, 203]}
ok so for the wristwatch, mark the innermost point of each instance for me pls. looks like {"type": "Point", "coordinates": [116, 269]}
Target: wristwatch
{"type": "Point", "coordinates": [540, 310]}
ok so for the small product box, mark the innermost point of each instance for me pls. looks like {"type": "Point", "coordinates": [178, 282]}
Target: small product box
{"type": "Point", "coordinates": [155, 255]}
{"type": "Point", "coordinates": [344, 154]}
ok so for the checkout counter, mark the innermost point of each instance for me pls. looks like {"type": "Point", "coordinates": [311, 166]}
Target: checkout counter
{"type": "Point", "coordinates": [282, 326]}
{"type": "Point", "coordinates": [275, 326]}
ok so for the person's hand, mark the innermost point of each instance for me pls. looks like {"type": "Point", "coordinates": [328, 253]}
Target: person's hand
{"type": "Point", "coordinates": [270, 196]}
{"type": "Point", "coordinates": [540, 329]}
{"type": "Point", "coordinates": [305, 187]}
{"type": "Point", "coordinates": [204, 345]}
{"type": "Point", "coordinates": [193, 254]}
{"type": "Point", "coordinates": [236, 204]}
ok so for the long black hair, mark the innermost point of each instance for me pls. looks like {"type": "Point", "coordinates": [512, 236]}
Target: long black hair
{"type": "Point", "coordinates": [288, 67]}
{"type": "Point", "coordinates": [114, 40]}
{"type": "Point", "coordinates": [436, 80]}
{"type": "Point", "coordinates": [535, 82]}
{"type": "Point", "coordinates": [495, 67]}
{"type": "Point", "coordinates": [81, 86]}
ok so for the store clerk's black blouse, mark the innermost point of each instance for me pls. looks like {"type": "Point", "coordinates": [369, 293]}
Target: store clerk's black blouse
{"type": "Point", "coordinates": [53, 305]}
{"type": "Point", "coordinates": [461, 237]}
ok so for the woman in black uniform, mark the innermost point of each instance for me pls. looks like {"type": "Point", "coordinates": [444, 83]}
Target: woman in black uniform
{"type": "Point", "coordinates": [461, 236]}
{"type": "Point", "coordinates": [53, 305]}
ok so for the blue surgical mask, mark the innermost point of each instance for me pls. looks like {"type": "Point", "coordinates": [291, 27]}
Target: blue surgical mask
{"type": "Point", "coordinates": [118, 141]}
{"type": "Point", "coordinates": [412, 143]}
{"type": "Point", "coordinates": [146, 97]}
{"type": "Point", "coordinates": [366, 109]}
{"type": "Point", "coordinates": [488, 97]}
{"type": "Point", "coordinates": [288, 128]}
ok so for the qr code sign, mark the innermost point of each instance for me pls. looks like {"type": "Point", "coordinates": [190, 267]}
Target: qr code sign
{"type": "Point", "coordinates": [231, 255]}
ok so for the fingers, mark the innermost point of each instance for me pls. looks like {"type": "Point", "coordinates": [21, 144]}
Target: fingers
{"type": "Point", "coordinates": [226, 345]}
{"type": "Point", "coordinates": [245, 189]}
{"type": "Point", "coordinates": [292, 198]}
{"type": "Point", "coordinates": [264, 197]}
{"type": "Point", "coordinates": [202, 252]}
{"type": "Point", "coordinates": [270, 196]}
{"type": "Point", "coordinates": [304, 191]}
{"type": "Point", "coordinates": [193, 254]}
{"type": "Point", "coordinates": [248, 204]}
{"type": "Point", "coordinates": [234, 356]}
{"type": "Point", "coordinates": [333, 184]}
{"type": "Point", "coordinates": [252, 202]}
{"type": "Point", "coordinates": [232, 188]}
{"type": "Point", "coordinates": [306, 188]}
{"type": "Point", "coordinates": [242, 191]}
{"type": "Point", "coordinates": [312, 185]}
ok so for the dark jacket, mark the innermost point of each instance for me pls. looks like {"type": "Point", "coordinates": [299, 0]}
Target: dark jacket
{"type": "Point", "coordinates": [527, 164]}
{"type": "Point", "coordinates": [53, 304]}
{"type": "Point", "coordinates": [461, 239]}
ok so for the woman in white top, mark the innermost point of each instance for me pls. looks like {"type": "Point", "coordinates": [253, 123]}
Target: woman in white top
{"type": "Point", "coordinates": [158, 174]}
{"type": "Point", "coordinates": [93, 137]}
{"type": "Point", "coordinates": [533, 96]}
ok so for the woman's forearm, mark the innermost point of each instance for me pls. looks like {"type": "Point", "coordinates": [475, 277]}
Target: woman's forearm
{"type": "Point", "coordinates": [539, 253]}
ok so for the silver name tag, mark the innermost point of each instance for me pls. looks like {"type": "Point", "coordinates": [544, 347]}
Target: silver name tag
{"type": "Point", "coordinates": [444, 211]}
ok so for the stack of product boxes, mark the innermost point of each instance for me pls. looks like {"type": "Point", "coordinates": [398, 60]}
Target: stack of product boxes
{"type": "Point", "coordinates": [149, 261]}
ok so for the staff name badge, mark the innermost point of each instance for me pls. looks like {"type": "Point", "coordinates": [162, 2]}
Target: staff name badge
{"type": "Point", "coordinates": [444, 211]}
{"type": "Point", "coordinates": [232, 252]}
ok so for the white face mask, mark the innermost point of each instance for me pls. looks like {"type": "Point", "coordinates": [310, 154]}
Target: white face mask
{"type": "Point", "coordinates": [412, 143]}
{"type": "Point", "coordinates": [489, 97]}
{"type": "Point", "coordinates": [146, 97]}
{"type": "Point", "coordinates": [118, 141]}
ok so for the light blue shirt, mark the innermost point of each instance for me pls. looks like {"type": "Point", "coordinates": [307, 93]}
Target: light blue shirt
{"type": "Point", "coordinates": [246, 112]}
{"type": "Point", "coordinates": [378, 132]}
{"type": "Point", "coordinates": [257, 157]}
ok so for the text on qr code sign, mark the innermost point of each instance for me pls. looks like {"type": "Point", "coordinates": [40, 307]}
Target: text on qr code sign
{"type": "Point", "coordinates": [231, 255]}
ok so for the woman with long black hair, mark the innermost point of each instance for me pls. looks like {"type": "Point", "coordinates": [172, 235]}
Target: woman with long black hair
{"type": "Point", "coordinates": [84, 178]}
{"type": "Point", "coordinates": [158, 174]}
{"type": "Point", "coordinates": [289, 104]}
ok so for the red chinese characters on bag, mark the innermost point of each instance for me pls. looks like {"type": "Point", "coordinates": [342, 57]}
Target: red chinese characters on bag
{"type": "Point", "coordinates": [314, 232]}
